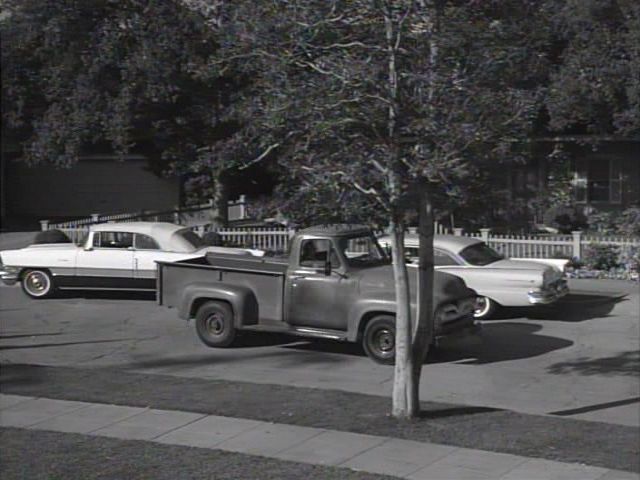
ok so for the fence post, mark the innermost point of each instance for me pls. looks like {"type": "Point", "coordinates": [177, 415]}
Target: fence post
{"type": "Point", "coordinates": [577, 234]}
{"type": "Point", "coordinates": [44, 225]}
{"type": "Point", "coordinates": [457, 231]}
{"type": "Point", "coordinates": [484, 233]}
{"type": "Point", "coordinates": [95, 217]}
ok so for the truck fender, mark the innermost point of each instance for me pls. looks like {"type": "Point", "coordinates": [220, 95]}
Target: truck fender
{"type": "Point", "coordinates": [242, 300]}
{"type": "Point", "coordinates": [364, 309]}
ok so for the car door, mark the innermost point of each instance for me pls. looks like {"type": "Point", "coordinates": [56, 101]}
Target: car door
{"type": "Point", "coordinates": [146, 251]}
{"type": "Point", "coordinates": [107, 263]}
{"type": "Point", "coordinates": [314, 297]}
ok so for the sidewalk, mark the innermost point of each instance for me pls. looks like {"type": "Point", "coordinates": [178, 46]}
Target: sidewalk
{"type": "Point", "coordinates": [316, 446]}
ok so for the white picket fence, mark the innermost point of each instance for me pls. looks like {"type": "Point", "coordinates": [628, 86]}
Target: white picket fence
{"type": "Point", "coordinates": [552, 246]}
{"type": "Point", "coordinates": [276, 239]}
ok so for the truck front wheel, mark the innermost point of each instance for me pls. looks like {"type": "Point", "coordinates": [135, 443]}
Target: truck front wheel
{"type": "Point", "coordinates": [214, 324]}
{"type": "Point", "coordinates": [379, 339]}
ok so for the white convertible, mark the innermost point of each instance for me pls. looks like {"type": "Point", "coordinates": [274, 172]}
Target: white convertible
{"type": "Point", "coordinates": [112, 256]}
{"type": "Point", "coordinates": [499, 281]}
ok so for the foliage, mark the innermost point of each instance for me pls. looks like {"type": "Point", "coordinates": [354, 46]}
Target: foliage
{"type": "Point", "coordinates": [594, 86]}
{"type": "Point", "coordinates": [600, 256]}
{"type": "Point", "coordinates": [626, 223]}
{"type": "Point", "coordinates": [126, 76]}
{"type": "Point", "coordinates": [567, 219]}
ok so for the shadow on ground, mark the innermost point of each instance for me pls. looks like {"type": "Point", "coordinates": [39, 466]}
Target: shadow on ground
{"type": "Point", "coordinates": [575, 307]}
{"type": "Point", "coordinates": [24, 346]}
{"type": "Point", "coordinates": [500, 342]}
{"type": "Point", "coordinates": [625, 363]}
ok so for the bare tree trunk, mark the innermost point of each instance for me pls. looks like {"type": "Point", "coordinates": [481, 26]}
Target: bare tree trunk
{"type": "Point", "coordinates": [423, 331]}
{"type": "Point", "coordinates": [405, 401]}
{"type": "Point", "coordinates": [219, 207]}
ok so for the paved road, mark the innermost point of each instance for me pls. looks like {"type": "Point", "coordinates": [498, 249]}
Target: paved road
{"type": "Point", "coordinates": [579, 359]}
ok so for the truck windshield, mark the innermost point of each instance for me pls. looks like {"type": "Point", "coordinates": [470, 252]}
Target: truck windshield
{"type": "Point", "coordinates": [480, 254]}
{"type": "Point", "coordinates": [362, 251]}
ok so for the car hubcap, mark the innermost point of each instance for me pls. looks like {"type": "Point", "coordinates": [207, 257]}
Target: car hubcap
{"type": "Point", "coordinates": [482, 306]}
{"type": "Point", "coordinates": [384, 342]}
{"type": "Point", "coordinates": [37, 283]}
{"type": "Point", "coordinates": [215, 324]}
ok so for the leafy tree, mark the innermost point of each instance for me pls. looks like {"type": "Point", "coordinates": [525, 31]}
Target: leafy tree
{"type": "Point", "coordinates": [391, 100]}
{"type": "Point", "coordinates": [594, 86]}
{"type": "Point", "coordinates": [126, 76]}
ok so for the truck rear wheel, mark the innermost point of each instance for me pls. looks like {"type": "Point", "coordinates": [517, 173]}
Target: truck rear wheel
{"type": "Point", "coordinates": [214, 324]}
{"type": "Point", "coordinates": [379, 339]}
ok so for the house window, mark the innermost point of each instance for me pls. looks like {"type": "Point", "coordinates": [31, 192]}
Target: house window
{"type": "Point", "coordinates": [597, 180]}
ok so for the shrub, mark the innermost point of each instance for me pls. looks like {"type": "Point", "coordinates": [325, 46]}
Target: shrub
{"type": "Point", "coordinates": [601, 257]}
{"type": "Point", "coordinates": [628, 222]}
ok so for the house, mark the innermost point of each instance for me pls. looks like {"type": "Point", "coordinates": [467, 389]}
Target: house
{"type": "Point", "coordinates": [597, 174]}
{"type": "Point", "coordinates": [96, 184]}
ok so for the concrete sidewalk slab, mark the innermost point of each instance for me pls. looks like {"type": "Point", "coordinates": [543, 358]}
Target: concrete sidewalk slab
{"type": "Point", "coordinates": [535, 469]}
{"type": "Point", "coordinates": [208, 432]}
{"type": "Point", "coordinates": [268, 439]}
{"type": "Point", "coordinates": [33, 411]}
{"type": "Point", "coordinates": [88, 419]}
{"type": "Point", "coordinates": [467, 464]}
{"type": "Point", "coordinates": [7, 401]}
{"type": "Point", "coordinates": [331, 448]}
{"type": "Point", "coordinates": [398, 457]}
{"type": "Point", "coordinates": [148, 425]}
{"type": "Point", "coordinates": [374, 454]}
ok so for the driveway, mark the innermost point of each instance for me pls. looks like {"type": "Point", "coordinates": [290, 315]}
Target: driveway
{"type": "Point", "coordinates": [578, 359]}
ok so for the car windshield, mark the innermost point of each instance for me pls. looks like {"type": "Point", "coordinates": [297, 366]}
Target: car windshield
{"type": "Point", "coordinates": [362, 251]}
{"type": "Point", "coordinates": [480, 254]}
{"type": "Point", "coordinates": [191, 238]}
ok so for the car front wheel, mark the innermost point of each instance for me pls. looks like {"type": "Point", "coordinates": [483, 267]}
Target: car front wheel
{"type": "Point", "coordinates": [38, 283]}
{"type": "Point", "coordinates": [215, 324]}
{"type": "Point", "coordinates": [485, 308]}
{"type": "Point", "coordinates": [379, 339]}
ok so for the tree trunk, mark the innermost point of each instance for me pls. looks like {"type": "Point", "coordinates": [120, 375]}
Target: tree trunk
{"type": "Point", "coordinates": [219, 200]}
{"type": "Point", "coordinates": [423, 332]}
{"type": "Point", "coordinates": [405, 395]}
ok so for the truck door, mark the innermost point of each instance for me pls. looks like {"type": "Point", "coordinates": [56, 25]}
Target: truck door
{"type": "Point", "coordinates": [316, 299]}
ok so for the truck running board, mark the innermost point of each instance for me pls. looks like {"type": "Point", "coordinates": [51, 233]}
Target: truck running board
{"type": "Point", "coordinates": [299, 331]}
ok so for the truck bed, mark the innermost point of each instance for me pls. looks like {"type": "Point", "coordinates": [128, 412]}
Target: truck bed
{"type": "Point", "coordinates": [265, 277]}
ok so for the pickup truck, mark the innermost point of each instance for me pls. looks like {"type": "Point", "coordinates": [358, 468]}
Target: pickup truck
{"type": "Point", "coordinates": [337, 283]}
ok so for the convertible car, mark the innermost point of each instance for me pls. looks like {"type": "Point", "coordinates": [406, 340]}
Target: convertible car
{"type": "Point", "coordinates": [499, 281]}
{"type": "Point", "coordinates": [112, 256]}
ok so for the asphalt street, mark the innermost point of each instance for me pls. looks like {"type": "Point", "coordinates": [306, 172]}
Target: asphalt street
{"type": "Point", "coordinates": [578, 359]}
